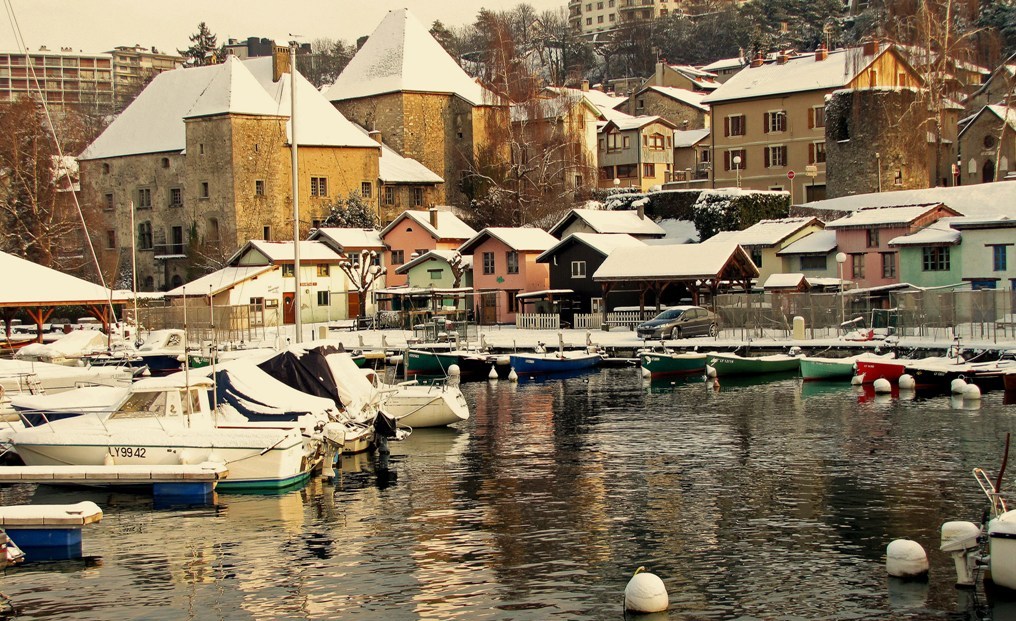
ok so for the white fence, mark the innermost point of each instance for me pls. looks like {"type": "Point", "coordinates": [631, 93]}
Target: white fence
{"type": "Point", "coordinates": [588, 321]}
{"type": "Point", "coordinates": [535, 321]}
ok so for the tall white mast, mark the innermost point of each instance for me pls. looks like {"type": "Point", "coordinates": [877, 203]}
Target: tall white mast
{"type": "Point", "coordinates": [296, 193]}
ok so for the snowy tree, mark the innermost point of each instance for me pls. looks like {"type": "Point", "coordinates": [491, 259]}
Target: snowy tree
{"type": "Point", "coordinates": [362, 268]}
{"type": "Point", "coordinates": [204, 48]}
{"type": "Point", "coordinates": [351, 212]}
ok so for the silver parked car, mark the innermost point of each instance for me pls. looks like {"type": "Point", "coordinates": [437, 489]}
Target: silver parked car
{"type": "Point", "coordinates": [678, 322]}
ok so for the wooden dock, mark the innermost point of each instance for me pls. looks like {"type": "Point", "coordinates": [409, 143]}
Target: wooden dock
{"type": "Point", "coordinates": [114, 475]}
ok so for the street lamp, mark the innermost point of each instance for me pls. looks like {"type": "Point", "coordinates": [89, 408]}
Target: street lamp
{"type": "Point", "coordinates": [841, 258]}
{"type": "Point", "coordinates": [737, 169]}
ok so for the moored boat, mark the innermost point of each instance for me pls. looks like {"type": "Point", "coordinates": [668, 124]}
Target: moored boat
{"type": "Point", "coordinates": [663, 364]}
{"type": "Point", "coordinates": [871, 369]}
{"type": "Point", "coordinates": [554, 362]}
{"type": "Point", "coordinates": [1009, 380]}
{"type": "Point", "coordinates": [425, 405]}
{"type": "Point", "coordinates": [939, 373]}
{"type": "Point", "coordinates": [819, 368]}
{"type": "Point", "coordinates": [472, 364]}
{"type": "Point", "coordinates": [734, 364]}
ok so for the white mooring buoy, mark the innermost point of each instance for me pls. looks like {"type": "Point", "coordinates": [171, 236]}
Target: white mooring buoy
{"type": "Point", "coordinates": [972, 393]}
{"type": "Point", "coordinates": [906, 382]}
{"type": "Point", "coordinates": [710, 371]}
{"type": "Point", "coordinates": [493, 373]}
{"type": "Point", "coordinates": [454, 370]}
{"type": "Point", "coordinates": [512, 375]}
{"type": "Point", "coordinates": [646, 374]}
{"type": "Point", "coordinates": [645, 593]}
{"type": "Point", "coordinates": [857, 380]}
{"type": "Point", "coordinates": [958, 385]}
{"type": "Point", "coordinates": [882, 386]}
{"type": "Point", "coordinates": [905, 558]}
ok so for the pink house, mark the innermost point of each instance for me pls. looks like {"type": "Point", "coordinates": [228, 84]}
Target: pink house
{"type": "Point", "coordinates": [504, 265]}
{"type": "Point", "coordinates": [414, 233]}
{"type": "Point", "coordinates": [864, 237]}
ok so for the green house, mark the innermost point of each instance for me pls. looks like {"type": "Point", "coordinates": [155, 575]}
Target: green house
{"type": "Point", "coordinates": [931, 257]}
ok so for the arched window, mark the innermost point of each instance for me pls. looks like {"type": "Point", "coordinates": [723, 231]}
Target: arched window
{"type": "Point", "coordinates": [988, 172]}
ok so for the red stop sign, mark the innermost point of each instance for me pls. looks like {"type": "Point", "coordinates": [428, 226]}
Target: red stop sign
{"type": "Point", "coordinates": [791, 174]}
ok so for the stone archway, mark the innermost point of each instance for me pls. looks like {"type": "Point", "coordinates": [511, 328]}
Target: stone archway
{"type": "Point", "coordinates": [988, 171]}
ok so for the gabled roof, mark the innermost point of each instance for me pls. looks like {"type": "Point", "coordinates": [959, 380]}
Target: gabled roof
{"type": "Point", "coordinates": [607, 221]}
{"type": "Point", "coordinates": [635, 122]}
{"type": "Point", "coordinates": [603, 243]}
{"type": "Point", "coordinates": [797, 75]}
{"type": "Point", "coordinates": [436, 255]}
{"type": "Point", "coordinates": [155, 121]}
{"type": "Point", "coordinates": [937, 234]}
{"type": "Point", "coordinates": [706, 80]}
{"type": "Point", "coordinates": [1001, 113]}
{"type": "Point", "coordinates": [886, 216]}
{"type": "Point", "coordinates": [792, 280]}
{"type": "Point", "coordinates": [449, 226]}
{"type": "Point", "coordinates": [219, 281]}
{"type": "Point", "coordinates": [684, 138]}
{"type": "Point", "coordinates": [724, 63]}
{"type": "Point", "coordinates": [29, 284]}
{"type": "Point", "coordinates": [276, 252]}
{"type": "Point", "coordinates": [683, 95]}
{"type": "Point", "coordinates": [604, 102]}
{"type": "Point", "coordinates": [394, 168]}
{"type": "Point", "coordinates": [819, 242]}
{"type": "Point", "coordinates": [766, 232]}
{"type": "Point", "coordinates": [978, 200]}
{"type": "Point", "coordinates": [523, 239]}
{"type": "Point", "coordinates": [341, 238]}
{"type": "Point", "coordinates": [673, 262]}
{"type": "Point", "coordinates": [402, 56]}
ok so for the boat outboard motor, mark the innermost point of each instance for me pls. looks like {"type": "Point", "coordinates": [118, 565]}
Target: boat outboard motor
{"type": "Point", "coordinates": [961, 541]}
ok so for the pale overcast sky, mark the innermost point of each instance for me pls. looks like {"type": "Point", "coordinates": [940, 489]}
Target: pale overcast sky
{"type": "Point", "coordinates": [100, 25]}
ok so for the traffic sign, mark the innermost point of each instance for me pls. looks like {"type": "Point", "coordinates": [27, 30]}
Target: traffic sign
{"type": "Point", "coordinates": [791, 174]}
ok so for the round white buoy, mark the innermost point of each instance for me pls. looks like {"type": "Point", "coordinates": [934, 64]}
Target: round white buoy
{"type": "Point", "coordinates": [958, 385]}
{"type": "Point", "coordinates": [857, 380]}
{"type": "Point", "coordinates": [395, 360]}
{"type": "Point", "coordinates": [972, 392]}
{"type": "Point", "coordinates": [882, 386]}
{"type": "Point", "coordinates": [710, 371]}
{"type": "Point", "coordinates": [646, 373]}
{"type": "Point", "coordinates": [454, 370]}
{"type": "Point", "coordinates": [906, 382]}
{"type": "Point", "coordinates": [493, 373]}
{"type": "Point", "coordinates": [905, 558]}
{"type": "Point", "coordinates": [108, 460]}
{"type": "Point", "coordinates": [513, 376]}
{"type": "Point", "coordinates": [645, 593]}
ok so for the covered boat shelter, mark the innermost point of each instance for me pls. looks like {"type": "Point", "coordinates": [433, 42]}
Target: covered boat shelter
{"type": "Point", "coordinates": [415, 305]}
{"type": "Point", "coordinates": [696, 270]}
{"type": "Point", "coordinates": [39, 290]}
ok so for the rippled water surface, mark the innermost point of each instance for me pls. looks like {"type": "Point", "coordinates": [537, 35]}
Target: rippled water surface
{"type": "Point", "coordinates": [754, 501]}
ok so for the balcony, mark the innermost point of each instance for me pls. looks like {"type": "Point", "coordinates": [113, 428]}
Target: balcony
{"type": "Point", "coordinates": [167, 252]}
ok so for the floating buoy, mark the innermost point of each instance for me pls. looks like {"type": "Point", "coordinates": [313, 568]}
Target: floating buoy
{"type": "Point", "coordinates": [108, 460]}
{"type": "Point", "coordinates": [454, 370]}
{"type": "Point", "coordinates": [645, 593]}
{"type": "Point", "coordinates": [645, 373]}
{"type": "Point", "coordinates": [906, 382]}
{"type": "Point", "coordinates": [882, 386]}
{"type": "Point", "coordinates": [905, 558]}
{"type": "Point", "coordinates": [972, 393]}
{"type": "Point", "coordinates": [958, 385]}
{"type": "Point", "coordinates": [504, 360]}
{"type": "Point", "coordinates": [493, 373]}
{"type": "Point", "coordinates": [395, 360]}
{"type": "Point", "coordinates": [857, 380]}
{"type": "Point", "coordinates": [513, 376]}
{"type": "Point", "coordinates": [710, 371]}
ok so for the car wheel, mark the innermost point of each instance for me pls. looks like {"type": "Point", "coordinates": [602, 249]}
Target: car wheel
{"type": "Point", "coordinates": [675, 333]}
{"type": "Point", "coordinates": [712, 329]}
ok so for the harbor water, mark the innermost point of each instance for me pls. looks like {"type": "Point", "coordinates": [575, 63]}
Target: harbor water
{"type": "Point", "coordinates": [751, 500]}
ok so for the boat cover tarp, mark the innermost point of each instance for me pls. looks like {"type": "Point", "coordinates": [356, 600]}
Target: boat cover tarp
{"type": "Point", "coordinates": [306, 370]}
{"type": "Point", "coordinates": [260, 397]}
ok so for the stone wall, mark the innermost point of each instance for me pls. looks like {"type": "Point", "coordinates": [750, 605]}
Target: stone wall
{"type": "Point", "coordinates": [657, 104]}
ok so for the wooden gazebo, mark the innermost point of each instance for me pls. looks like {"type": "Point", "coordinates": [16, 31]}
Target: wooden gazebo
{"type": "Point", "coordinates": [696, 268]}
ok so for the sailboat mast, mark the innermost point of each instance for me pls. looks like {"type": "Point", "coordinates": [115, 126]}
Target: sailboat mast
{"type": "Point", "coordinates": [296, 193]}
{"type": "Point", "coordinates": [134, 271]}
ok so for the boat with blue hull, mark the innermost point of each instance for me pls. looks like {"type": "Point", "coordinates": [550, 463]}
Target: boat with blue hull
{"type": "Point", "coordinates": [556, 362]}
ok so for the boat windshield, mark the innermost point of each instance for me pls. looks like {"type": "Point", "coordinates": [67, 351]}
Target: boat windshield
{"type": "Point", "coordinates": [142, 405]}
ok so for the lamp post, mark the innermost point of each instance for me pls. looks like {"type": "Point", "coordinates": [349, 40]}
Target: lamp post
{"type": "Point", "coordinates": [841, 258]}
{"type": "Point", "coordinates": [737, 169]}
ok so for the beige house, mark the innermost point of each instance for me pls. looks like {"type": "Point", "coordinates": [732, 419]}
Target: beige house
{"type": "Point", "coordinates": [684, 77]}
{"type": "Point", "coordinates": [988, 146]}
{"type": "Point", "coordinates": [764, 240]}
{"type": "Point", "coordinates": [203, 156]}
{"type": "Point", "coordinates": [692, 156]}
{"type": "Point", "coordinates": [682, 107]}
{"type": "Point", "coordinates": [769, 119]}
{"type": "Point", "coordinates": [636, 152]}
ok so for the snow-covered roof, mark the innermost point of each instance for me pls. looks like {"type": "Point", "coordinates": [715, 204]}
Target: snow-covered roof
{"type": "Point", "coordinates": [154, 121]}
{"type": "Point", "coordinates": [797, 74]}
{"type": "Point", "coordinates": [349, 237]}
{"type": "Point", "coordinates": [605, 102]}
{"type": "Point", "coordinates": [1003, 114]}
{"type": "Point", "coordinates": [394, 168]}
{"type": "Point", "coordinates": [636, 122]}
{"type": "Point", "coordinates": [29, 284]}
{"type": "Point", "coordinates": [437, 254]}
{"type": "Point", "coordinates": [604, 243]}
{"type": "Point", "coordinates": [997, 222]}
{"type": "Point", "coordinates": [523, 239]}
{"type": "Point", "coordinates": [401, 55]}
{"type": "Point", "coordinates": [937, 234]}
{"type": "Point", "coordinates": [607, 221]}
{"type": "Point", "coordinates": [676, 232]}
{"type": "Point", "coordinates": [449, 226]}
{"type": "Point", "coordinates": [724, 63]}
{"type": "Point", "coordinates": [981, 199]}
{"type": "Point", "coordinates": [273, 252]}
{"type": "Point", "coordinates": [819, 242]}
{"type": "Point", "coordinates": [675, 262]}
{"type": "Point", "coordinates": [784, 281]}
{"type": "Point", "coordinates": [691, 98]}
{"type": "Point", "coordinates": [684, 138]}
{"type": "Point", "coordinates": [219, 281]}
{"type": "Point", "coordinates": [765, 232]}
{"type": "Point", "coordinates": [882, 216]}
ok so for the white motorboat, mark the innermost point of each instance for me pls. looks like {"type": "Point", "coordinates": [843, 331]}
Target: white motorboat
{"type": "Point", "coordinates": [423, 405]}
{"type": "Point", "coordinates": [27, 377]}
{"type": "Point", "coordinates": [166, 421]}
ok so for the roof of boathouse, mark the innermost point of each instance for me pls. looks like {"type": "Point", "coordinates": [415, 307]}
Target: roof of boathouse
{"type": "Point", "coordinates": [30, 284]}
{"type": "Point", "coordinates": [608, 221]}
{"type": "Point", "coordinates": [676, 262]}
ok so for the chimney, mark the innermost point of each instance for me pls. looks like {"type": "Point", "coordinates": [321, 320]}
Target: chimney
{"type": "Point", "coordinates": [375, 135]}
{"type": "Point", "coordinates": [821, 52]}
{"type": "Point", "coordinates": [870, 47]}
{"type": "Point", "coordinates": [585, 86]}
{"type": "Point", "coordinates": [433, 217]}
{"type": "Point", "coordinates": [758, 61]}
{"type": "Point", "coordinates": [280, 62]}
{"type": "Point", "coordinates": [659, 72]}
{"type": "Point", "coordinates": [781, 58]}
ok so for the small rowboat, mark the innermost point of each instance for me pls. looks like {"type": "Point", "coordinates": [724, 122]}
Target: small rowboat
{"type": "Point", "coordinates": [556, 362]}
{"type": "Point", "coordinates": [668, 363]}
{"type": "Point", "coordinates": [733, 364]}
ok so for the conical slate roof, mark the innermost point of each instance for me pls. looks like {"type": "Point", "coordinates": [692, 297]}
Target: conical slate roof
{"type": "Point", "coordinates": [401, 55]}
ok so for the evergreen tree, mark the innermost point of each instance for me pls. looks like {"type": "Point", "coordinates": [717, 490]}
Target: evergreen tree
{"type": "Point", "coordinates": [204, 49]}
{"type": "Point", "coordinates": [351, 212]}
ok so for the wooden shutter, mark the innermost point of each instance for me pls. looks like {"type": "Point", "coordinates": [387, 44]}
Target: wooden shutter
{"type": "Point", "coordinates": [765, 122]}
{"type": "Point", "coordinates": [811, 153]}
{"type": "Point", "coordinates": [811, 118]}
{"type": "Point", "coordinates": [726, 126]}
{"type": "Point", "coordinates": [767, 160]}
{"type": "Point", "coordinates": [726, 160]}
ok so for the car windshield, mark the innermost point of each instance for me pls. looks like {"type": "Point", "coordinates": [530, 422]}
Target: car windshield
{"type": "Point", "coordinates": [673, 313]}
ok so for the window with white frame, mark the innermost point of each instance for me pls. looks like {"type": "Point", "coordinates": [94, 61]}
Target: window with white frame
{"type": "Point", "coordinates": [144, 198]}
{"type": "Point", "coordinates": [319, 186]}
{"type": "Point", "coordinates": [578, 269]}
{"type": "Point", "coordinates": [776, 121]}
{"type": "Point", "coordinates": [512, 262]}
{"type": "Point", "coordinates": [488, 263]}
{"type": "Point", "coordinates": [323, 298]}
{"type": "Point", "coordinates": [734, 125]}
{"type": "Point", "coordinates": [776, 156]}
